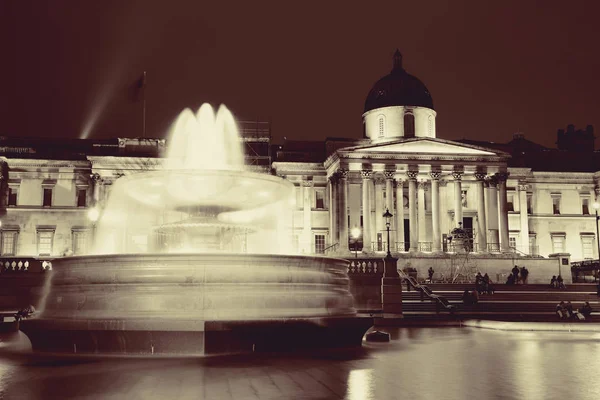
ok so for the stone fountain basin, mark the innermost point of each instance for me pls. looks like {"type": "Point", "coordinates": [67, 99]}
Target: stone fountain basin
{"type": "Point", "coordinates": [195, 304]}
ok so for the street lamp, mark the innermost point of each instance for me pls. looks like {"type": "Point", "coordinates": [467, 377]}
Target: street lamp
{"type": "Point", "coordinates": [355, 234]}
{"type": "Point", "coordinates": [388, 221]}
{"type": "Point", "coordinates": [596, 207]}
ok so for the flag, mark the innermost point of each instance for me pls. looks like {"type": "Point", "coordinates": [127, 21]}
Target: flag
{"type": "Point", "coordinates": [142, 81]}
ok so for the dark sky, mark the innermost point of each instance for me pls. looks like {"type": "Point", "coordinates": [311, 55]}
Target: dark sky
{"type": "Point", "coordinates": [68, 67]}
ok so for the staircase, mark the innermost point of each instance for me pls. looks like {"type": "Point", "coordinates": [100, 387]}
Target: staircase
{"type": "Point", "coordinates": [508, 303]}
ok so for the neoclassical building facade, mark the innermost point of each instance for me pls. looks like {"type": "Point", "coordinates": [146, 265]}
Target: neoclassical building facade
{"type": "Point", "coordinates": [515, 199]}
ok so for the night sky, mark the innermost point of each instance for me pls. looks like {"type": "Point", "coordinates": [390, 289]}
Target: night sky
{"type": "Point", "coordinates": [68, 68]}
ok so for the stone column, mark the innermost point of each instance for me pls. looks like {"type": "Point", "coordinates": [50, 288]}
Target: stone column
{"type": "Point", "coordinates": [524, 218]}
{"type": "Point", "coordinates": [503, 211]}
{"type": "Point", "coordinates": [96, 180]}
{"type": "Point", "coordinates": [367, 175]}
{"type": "Point", "coordinates": [389, 204]}
{"type": "Point", "coordinates": [421, 214]}
{"type": "Point", "coordinates": [343, 231]}
{"type": "Point", "coordinates": [481, 217]}
{"type": "Point", "coordinates": [493, 237]}
{"type": "Point", "coordinates": [379, 209]}
{"type": "Point", "coordinates": [306, 216]}
{"type": "Point", "coordinates": [333, 209]}
{"type": "Point", "coordinates": [412, 210]}
{"type": "Point", "coordinates": [400, 214]}
{"type": "Point", "coordinates": [436, 236]}
{"type": "Point", "coordinates": [458, 214]}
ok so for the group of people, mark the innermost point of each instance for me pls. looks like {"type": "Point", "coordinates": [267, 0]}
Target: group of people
{"type": "Point", "coordinates": [557, 282]}
{"type": "Point", "coordinates": [518, 275]}
{"type": "Point", "coordinates": [483, 284]}
{"type": "Point", "coordinates": [565, 311]}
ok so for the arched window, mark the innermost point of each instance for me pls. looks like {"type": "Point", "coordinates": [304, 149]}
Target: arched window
{"type": "Point", "coordinates": [409, 125]}
{"type": "Point", "coordinates": [381, 124]}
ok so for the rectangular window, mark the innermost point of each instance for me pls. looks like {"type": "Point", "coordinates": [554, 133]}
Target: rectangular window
{"type": "Point", "coordinates": [512, 242]}
{"type": "Point", "coordinates": [319, 244]}
{"type": "Point", "coordinates": [47, 197]}
{"type": "Point", "coordinates": [529, 203]}
{"type": "Point", "coordinates": [9, 242]}
{"type": "Point", "coordinates": [558, 243]}
{"type": "Point", "coordinates": [81, 197]}
{"type": "Point", "coordinates": [45, 239]}
{"type": "Point", "coordinates": [510, 202]}
{"type": "Point", "coordinates": [585, 205]}
{"type": "Point", "coordinates": [319, 199]}
{"type": "Point", "coordinates": [587, 246]}
{"type": "Point", "coordinates": [13, 194]}
{"type": "Point", "coordinates": [80, 242]}
{"type": "Point", "coordinates": [556, 204]}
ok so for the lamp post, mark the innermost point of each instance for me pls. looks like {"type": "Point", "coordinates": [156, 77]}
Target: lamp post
{"type": "Point", "coordinates": [388, 216]}
{"type": "Point", "coordinates": [355, 234]}
{"type": "Point", "coordinates": [596, 207]}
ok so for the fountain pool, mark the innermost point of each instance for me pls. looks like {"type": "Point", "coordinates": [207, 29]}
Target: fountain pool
{"type": "Point", "coordinates": [195, 258]}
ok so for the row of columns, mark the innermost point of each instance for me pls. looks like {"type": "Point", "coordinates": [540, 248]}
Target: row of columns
{"type": "Point", "coordinates": [492, 216]}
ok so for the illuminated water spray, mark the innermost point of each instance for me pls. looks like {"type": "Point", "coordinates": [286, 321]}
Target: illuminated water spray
{"type": "Point", "coordinates": [202, 200]}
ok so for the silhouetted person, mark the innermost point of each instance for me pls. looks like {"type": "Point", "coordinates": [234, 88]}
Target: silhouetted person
{"type": "Point", "coordinates": [569, 309]}
{"type": "Point", "coordinates": [510, 280]}
{"type": "Point", "coordinates": [553, 282]}
{"type": "Point", "coordinates": [560, 310]}
{"type": "Point", "coordinates": [559, 282]}
{"type": "Point", "coordinates": [586, 310]}
{"type": "Point", "coordinates": [479, 282]}
{"type": "Point", "coordinates": [430, 272]}
{"type": "Point", "coordinates": [524, 275]}
{"type": "Point", "coordinates": [515, 273]}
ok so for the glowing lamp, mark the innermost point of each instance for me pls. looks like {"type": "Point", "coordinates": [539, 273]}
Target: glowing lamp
{"type": "Point", "coordinates": [93, 214]}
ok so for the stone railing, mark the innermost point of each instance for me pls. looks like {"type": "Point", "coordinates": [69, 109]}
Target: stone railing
{"type": "Point", "coordinates": [15, 264]}
{"type": "Point", "coordinates": [372, 266]}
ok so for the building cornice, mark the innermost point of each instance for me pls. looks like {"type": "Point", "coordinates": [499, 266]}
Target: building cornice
{"type": "Point", "coordinates": [282, 167]}
{"type": "Point", "coordinates": [37, 163]}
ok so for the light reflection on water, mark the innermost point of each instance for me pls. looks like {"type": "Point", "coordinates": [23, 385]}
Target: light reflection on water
{"type": "Point", "coordinates": [426, 363]}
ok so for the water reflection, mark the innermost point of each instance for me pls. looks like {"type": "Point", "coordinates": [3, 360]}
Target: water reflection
{"type": "Point", "coordinates": [428, 363]}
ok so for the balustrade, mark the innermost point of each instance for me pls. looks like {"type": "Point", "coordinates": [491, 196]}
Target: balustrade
{"type": "Point", "coordinates": [425, 246]}
{"type": "Point", "coordinates": [24, 265]}
{"type": "Point", "coordinates": [372, 267]}
{"type": "Point", "coordinates": [494, 247]}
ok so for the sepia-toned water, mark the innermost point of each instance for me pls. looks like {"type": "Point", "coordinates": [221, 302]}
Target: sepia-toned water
{"type": "Point", "coordinates": [419, 363]}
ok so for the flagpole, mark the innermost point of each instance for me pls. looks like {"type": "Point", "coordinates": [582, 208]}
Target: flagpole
{"type": "Point", "coordinates": [144, 105]}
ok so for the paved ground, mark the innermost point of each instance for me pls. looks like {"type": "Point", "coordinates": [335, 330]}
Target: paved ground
{"type": "Point", "coordinates": [419, 363]}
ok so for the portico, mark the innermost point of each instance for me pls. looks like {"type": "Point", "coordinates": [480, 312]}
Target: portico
{"type": "Point", "coordinates": [439, 185]}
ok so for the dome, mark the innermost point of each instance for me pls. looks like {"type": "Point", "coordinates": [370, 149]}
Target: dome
{"type": "Point", "coordinates": [399, 88]}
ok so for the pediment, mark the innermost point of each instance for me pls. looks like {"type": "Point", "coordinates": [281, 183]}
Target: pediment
{"type": "Point", "coordinates": [425, 146]}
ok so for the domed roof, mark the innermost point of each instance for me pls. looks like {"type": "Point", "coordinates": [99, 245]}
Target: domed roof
{"type": "Point", "coordinates": [399, 88]}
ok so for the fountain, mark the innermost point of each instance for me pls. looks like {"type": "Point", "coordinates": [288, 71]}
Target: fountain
{"type": "Point", "coordinates": [194, 258]}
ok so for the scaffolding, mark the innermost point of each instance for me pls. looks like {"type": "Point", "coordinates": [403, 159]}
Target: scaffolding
{"type": "Point", "coordinates": [256, 137]}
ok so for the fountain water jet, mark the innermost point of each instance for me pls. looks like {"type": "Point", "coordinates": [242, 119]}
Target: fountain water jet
{"type": "Point", "coordinates": [194, 258]}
